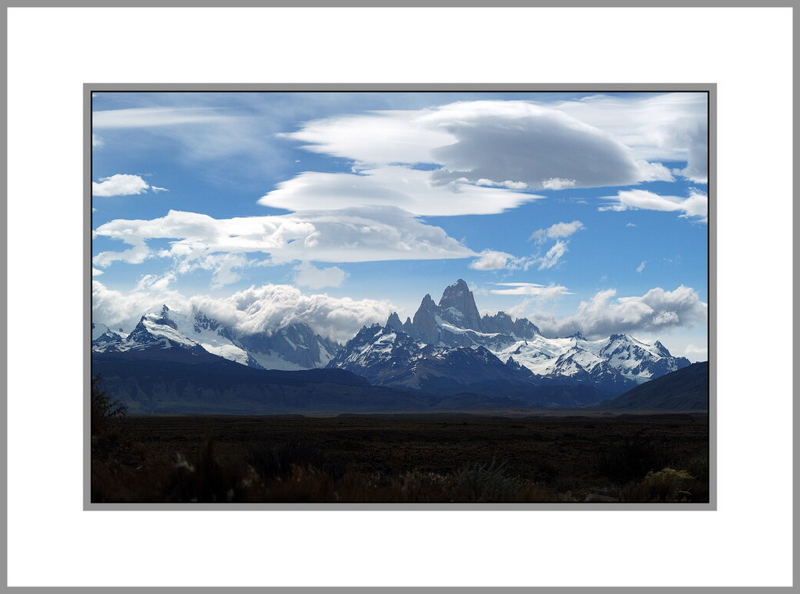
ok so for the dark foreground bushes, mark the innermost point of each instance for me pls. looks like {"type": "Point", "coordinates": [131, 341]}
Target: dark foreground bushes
{"type": "Point", "coordinates": [273, 474]}
{"type": "Point", "coordinates": [372, 460]}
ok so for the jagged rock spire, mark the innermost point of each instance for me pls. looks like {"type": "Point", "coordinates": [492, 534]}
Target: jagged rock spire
{"type": "Point", "coordinates": [458, 305]}
{"type": "Point", "coordinates": [394, 322]}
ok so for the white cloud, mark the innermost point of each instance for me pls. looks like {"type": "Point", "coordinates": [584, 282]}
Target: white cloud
{"type": "Point", "coordinates": [696, 205]}
{"type": "Point", "coordinates": [347, 235]}
{"type": "Point", "coordinates": [527, 142]}
{"type": "Point", "coordinates": [412, 190]}
{"type": "Point", "coordinates": [696, 353]}
{"type": "Point", "coordinates": [148, 117]}
{"type": "Point", "coordinates": [136, 254]}
{"type": "Point", "coordinates": [655, 311]}
{"type": "Point", "coordinates": [224, 266]}
{"type": "Point", "coordinates": [393, 136]}
{"type": "Point", "coordinates": [495, 260]}
{"type": "Point", "coordinates": [553, 255]}
{"type": "Point", "coordinates": [557, 231]}
{"type": "Point", "coordinates": [270, 306]}
{"type": "Point", "coordinates": [210, 134]}
{"type": "Point", "coordinates": [640, 268]}
{"type": "Point", "coordinates": [630, 225]}
{"type": "Point", "coordinates": [556, 183]}
{"type": "Point", "coordinates": [257, 309]}
{"type": "Point", "coordinates": [123, 309]}
{"type": "Point", "coordinates": [122, 184]}
{"type": "Point", "coordinates": [662, 127]}
{"type": "Point", "coordinates": [310, 276]}
{"type": "Point", "coordinates": [654, 172]}
{"type": "Point", "coordinates": [492, 260]}
{"type": "Point", "coordinates": [538, 145]}
{"type": "Point", "coordinates": [530, 290]}
{"type": "Point", "coordinates": [506, 184]}
{"type": "Point", "coordinates": [697, 167]}
{"type": "Point", "coordinates": [96, 272]}
{"type": "Point", "coordinates": [97, 142]}
{"type": "Point", "coordinates": [154, 282]}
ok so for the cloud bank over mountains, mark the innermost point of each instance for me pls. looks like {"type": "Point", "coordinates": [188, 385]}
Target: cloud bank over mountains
{"type": "Point", "coordinates": [269, 307]}
{"type": "Point", "coordinates": [256, 309]}
{"type": "Point", "coordinates": [605, 313]}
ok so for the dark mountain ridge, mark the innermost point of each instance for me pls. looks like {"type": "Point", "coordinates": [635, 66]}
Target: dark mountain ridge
{"type": "Point", "coordinates": [684, 389]}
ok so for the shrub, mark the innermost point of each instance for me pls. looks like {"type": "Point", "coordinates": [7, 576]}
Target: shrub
{"type": "Point", "coordinates": [204, 479]}
{"type": "Point", "coordinates": [667, 485]}
{"type": "Point", "coordinates": [103, 408]}
{"type": "Point", "coordinates": [485, 483]}
{"type": "Point", "coordinates": [277, 461]}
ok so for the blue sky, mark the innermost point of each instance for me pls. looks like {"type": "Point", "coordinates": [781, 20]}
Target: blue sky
{"type": "Point", "coordinates": [578, 210]}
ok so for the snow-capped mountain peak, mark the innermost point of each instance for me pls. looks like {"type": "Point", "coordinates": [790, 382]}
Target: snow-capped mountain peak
{"type": "Point", "coordinates": [612, 364]}
{"type": "Point", "coordinates": [158, 330]}
{"type": "Point", "coordinates": [457, 306]}
{"type": "Point", "coordinates": [291, 347]}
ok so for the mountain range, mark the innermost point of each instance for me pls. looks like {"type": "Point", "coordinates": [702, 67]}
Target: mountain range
{"type": "Point", "coordinates": [446, 351]}
{"type": "Point", "coordinates": [449, 347]}
{"type": "Point", "coordinates": [289, 348]}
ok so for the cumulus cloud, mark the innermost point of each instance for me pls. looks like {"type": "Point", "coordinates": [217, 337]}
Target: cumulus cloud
{"type": "Point", "coordinates": [257, 309]}
{"type": "Point", "coordinates": [155, 282]}
{"type": "Point", "coordinates": [123, 309]}
{"type": "Point", "coordinates": [492, 260]}
{"type": "Point", "coordinates": [605, 313]}
{"type": "Point", "coordinates": [224, 267]}
{"type": "Point", "coordinates": [346, 235]}
{"type": "Point", "coordinates": [696, 205]}
{"type": "Point", "coordinates": [412, 190]}
{"type": "Point", "coordinates": [122, 184]}
{"type": "Point", "coordinates": [640, 268]}
{"type": "Point", "coordinates": [557, 231]}
{"type": "Point", "coordinates": [97, 142]}
{"type": "Point", "coordinates": [310, 276]}
{"type": "Point", "coordinates": [496, 260]}
{"type": "Point", "coordinates": [553, 255]}
{"type": "Point", "coordinates": [530, 290]}
{"type": "Point", "coordinates": [136, 254]}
